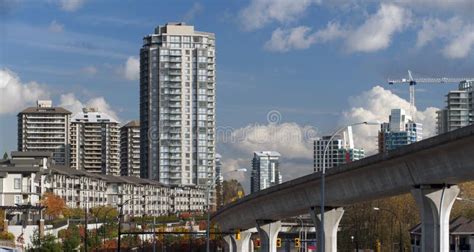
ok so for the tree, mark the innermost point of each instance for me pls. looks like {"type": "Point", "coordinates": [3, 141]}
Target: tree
{"type": "Point", "coordinates": [5, 155]}
{"type": "Point", "coordinates": [71, 238]}
{"type": "Point", "coordinates": [55, 205]}
{"type": "Point", "coordinates": [47, 243]}
{"type": "Point", "coordinates": [230, 191]}
{"type": "Point", "coordinates": [104, 212]}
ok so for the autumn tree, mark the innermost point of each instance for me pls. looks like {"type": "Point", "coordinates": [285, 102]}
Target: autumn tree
{"type": "Point", "coordinates": [231, 190]}
{"type": "Point", "coordinates": [55, 205]}
{"type": "Point", "coordinates": [104, 212]}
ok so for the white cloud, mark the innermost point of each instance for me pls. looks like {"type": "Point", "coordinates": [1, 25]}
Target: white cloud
{"type": "Point", "coordinates": [377, 31]}
{"type": "Point", "coordinates": [301, 37]}
{"type": "Point", "coordinates": [131, 69]}
{"type": "Point", "coordinates": [70, 102]}
{"type": "Point", "coordinates": [193, 12]}
{"type": "Point", "coordinates": [457, 35]}
{"type": "Point", "coordinates": [89, 70]}
{"type": "Point", "coordinates": [261, 12]}
{"type": "Point", "coordinates": [15, 95]}
{"type": "Point", "coordinates": [292, 141]}
{"type": "Point", "coordinates": [375, 105]}
{"type": "Point", "coordinates": [461, 46]}
{"type": "Point", "coordinates": [374, 34]}
{"type": "Point", "coordinates": [54, 26]}
{"type": "Point", "coordinates": [71, 5]}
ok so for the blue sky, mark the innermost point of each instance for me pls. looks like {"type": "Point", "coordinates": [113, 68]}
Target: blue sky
{"type": "Point", "coordinates": [316, 62]}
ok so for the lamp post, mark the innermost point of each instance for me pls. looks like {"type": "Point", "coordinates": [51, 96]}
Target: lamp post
{"type": "Point", "coordinates": [120, 222]}
{"type": "Point", "coordinates": [399, 222]}
{"type": "Point", "coordinates": [465, 199]}
{"type": "Point", "coordinates": [323, 180]}
{"type": "Point", "coordinates": [209, 186]}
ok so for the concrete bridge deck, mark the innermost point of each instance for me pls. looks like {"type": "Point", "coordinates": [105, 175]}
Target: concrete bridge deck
{"type": "Point", "coordinates": [446, 159]}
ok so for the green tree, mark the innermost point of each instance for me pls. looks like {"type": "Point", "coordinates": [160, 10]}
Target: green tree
{"type": "Point", "coordinates": [5, 155]}
{"type": "Point", "coordinates": [231, 191]}
{"type": "Point", "coordinates": [47, 243]}
{"type": "Point", "coordinates": [72, 238]}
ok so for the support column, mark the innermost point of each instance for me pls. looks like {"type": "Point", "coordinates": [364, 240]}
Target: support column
{"type": "Point", "coordinates": [230, 243]}
{"type": "Point", "coordinates": [435, 203]}
{"type": "Point", "coordinates": [242, 245]}
{"type": "Point", "coordinates": [331, 223]}
{"type": "Point", "coordinates": [268, 232]}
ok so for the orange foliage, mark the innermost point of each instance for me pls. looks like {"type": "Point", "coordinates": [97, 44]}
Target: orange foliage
{"type": "Point", "coordinates": [55, 205]}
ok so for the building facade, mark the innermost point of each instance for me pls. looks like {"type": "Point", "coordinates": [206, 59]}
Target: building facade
{"type": "Point", "coordinates": [399, 131]}
{"type": "Point", "coordinates": [45, 128]}
{"type": "Point", "coordinates": [26, 176]}
{"type": "Point", "coordinates": [177, 105]}
{"type": "Point", "coordinates": [459, 110]}
{"type": "Point", "coordinates": [340, 151]}
{"type": "Point", "coordinates": [265, 170]}
{"type": "Point", "coordinates": [130, 149]}
{"type": "Point", "coordinates": [95, 142]}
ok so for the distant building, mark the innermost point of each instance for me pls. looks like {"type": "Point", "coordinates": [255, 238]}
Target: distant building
{"type": "Point", "coordinates": [340, 151]}
{"type": "Point", "coordinates": [45, 128]}
{"type": "Point", "coordinates": [265, 170]}
{"type": "Point", "coordinates": [95, 142]}
{"type": "Point", "coordinates": [459, 110]}
{"type": "Point", "coordinates": [461, 235]}
{"type": "Point", "coordinates": [130, 149]}
{"type": "Point", "coordinates": [401, 130]}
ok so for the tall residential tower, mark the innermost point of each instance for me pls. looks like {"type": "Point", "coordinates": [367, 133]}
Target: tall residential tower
{"type": "Point", "coordinates": [459, 110]}
{"type": "Point", "coordinates": [265, 170]}
{"type": "Point", "coordinates": [177, 105]}
{"type": "Point", "coordinates": [95, 142]}
{"type": "Point", "coordinates": [45, 128]}
{"type": "Point", "coordinates": [130, 149]}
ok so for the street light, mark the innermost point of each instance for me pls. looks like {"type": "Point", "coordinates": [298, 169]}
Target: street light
{"type": "Point", "coordinates": [464, 199]}
{"type": "Point", "coordinates": [120, 221]}
{"type": "Point", "coordinates": [209, 186]}
{"type": "Point", "coordinates": [323, 179]}
{"type": "Point", "coordinates": [399, 222]}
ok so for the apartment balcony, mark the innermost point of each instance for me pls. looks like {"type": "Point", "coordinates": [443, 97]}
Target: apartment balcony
{"type": "Point", "coordinates": [175, 59]}
{"type": "Point", "coordinates": [175, 66]}
{"type": "Point", "coordinates": [175, 79]}
{"type": "Point", "coordinates": [175, 72]}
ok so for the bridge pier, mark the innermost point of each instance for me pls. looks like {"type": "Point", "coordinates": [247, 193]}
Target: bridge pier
{"type": "Point", "coordinates": [331, 224]}
{"type": "Point", "coordinates": [230, 244]}
{"type": "Point", "coordinates": [268, 231]}
{"type": "Point", "coordinates": [243, 244]}
{"type": "Point", "coordinates": [435, 203]}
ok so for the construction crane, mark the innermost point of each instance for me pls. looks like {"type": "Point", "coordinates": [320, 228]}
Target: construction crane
{"type": "Point", "coordinates": [412, 83]}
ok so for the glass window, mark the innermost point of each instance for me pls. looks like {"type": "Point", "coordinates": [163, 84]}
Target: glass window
{"type": "Point", "coordinates": [17, 183]}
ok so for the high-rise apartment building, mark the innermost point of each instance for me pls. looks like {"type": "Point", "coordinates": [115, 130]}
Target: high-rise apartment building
{"type": "Point", "coordinates": [219, 182]}
{"type": "Point", "coordinates": [459, 110]}
{"type": "Point", "coordinates": [130, 149]}
{"type": "Point", "coordinates": [95, 142]}
{"type": "Point", "coordinates": [177, 105]}
{"type": "Point", "coordinates": [265, 170]}
{"type": "Point", "coordinates": [399, 131]}
{"type": "Point", "coordinates": [45, 128]}
{"type": "Point", "coordinates": [340, 150]}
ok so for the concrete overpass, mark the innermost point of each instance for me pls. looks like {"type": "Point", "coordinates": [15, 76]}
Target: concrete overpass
{"type": "Point", "coordinates": [429, 169]}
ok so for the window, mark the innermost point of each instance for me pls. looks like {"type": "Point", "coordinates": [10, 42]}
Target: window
{"type": "Point", "coordinates": [17, 183]}
{"type": "Point", "coordinates": [17, 199]}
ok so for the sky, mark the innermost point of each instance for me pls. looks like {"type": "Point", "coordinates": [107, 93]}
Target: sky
{"type": "Point", "coordinates": [287, 70]}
